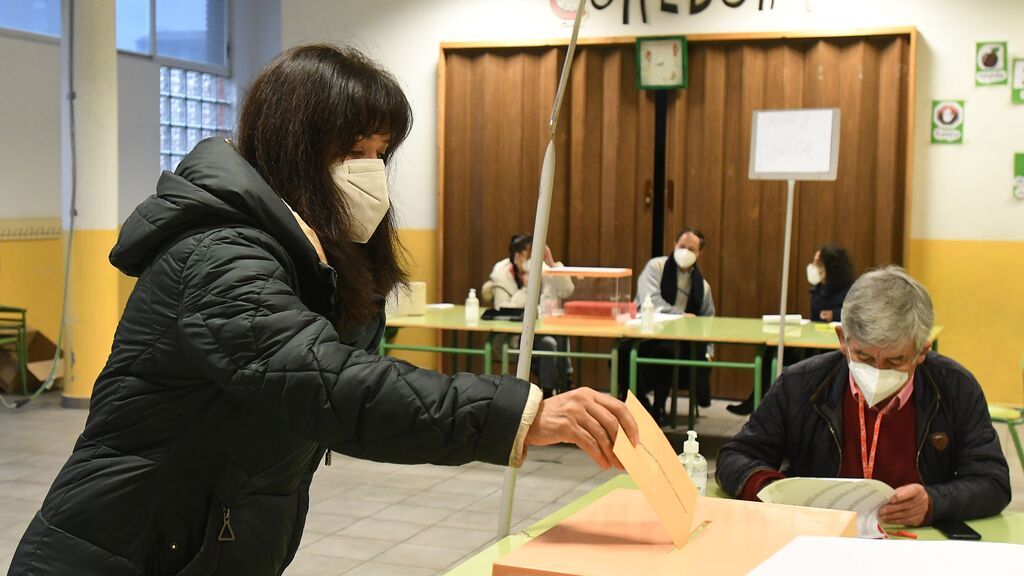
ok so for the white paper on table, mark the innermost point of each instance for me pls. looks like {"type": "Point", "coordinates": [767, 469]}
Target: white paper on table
{"type": "Point", "coordinates": [790, 319]}
{"type": "Point", "coordinates": [791, 329]}
{"type": "Point", "coordinates": [864, 497]}
{"type": "Point", "coordinates": [810, 554]}
{"type": "Point", "coordinates": [658, 318]}
{"type": "Point", "coordinates": [440, 306]}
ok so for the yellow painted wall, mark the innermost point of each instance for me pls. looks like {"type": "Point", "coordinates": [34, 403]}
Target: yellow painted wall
{"type": "Point", "coordinates": [32, 272]}
{"type": "Point", "coordinates": [32, 277]}
{"type": "Point", "coordinates": [422, 247]}
{"type": "Point", "coordinates": [125, 285]}
{"type": "Point", "coordinates": [94, 311]}
{"type": "Point", "coordinates": [977, 288]}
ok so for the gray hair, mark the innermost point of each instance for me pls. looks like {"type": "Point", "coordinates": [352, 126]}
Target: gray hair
{"type": "Point", "coordinates": [888, 308]}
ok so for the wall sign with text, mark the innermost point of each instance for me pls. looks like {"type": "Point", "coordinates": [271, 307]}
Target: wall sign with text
{"type": "Point", "coordinates": [1018, 175]}
{"type": "Point", "coordinates": [566, 9]}
{"type": "Point", "coordinates": [947, 121]}
{"type": "Point", "coordinates": [990, 64]}
{"type": "Point", "coordinates": [1017, 84]}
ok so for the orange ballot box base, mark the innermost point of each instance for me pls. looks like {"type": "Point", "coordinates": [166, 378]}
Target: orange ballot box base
{"type": "Point", "coordinates": [620, 534]}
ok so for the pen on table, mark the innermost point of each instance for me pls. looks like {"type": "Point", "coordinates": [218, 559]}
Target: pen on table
{"type": "Point", "coordinates": [902, 533]}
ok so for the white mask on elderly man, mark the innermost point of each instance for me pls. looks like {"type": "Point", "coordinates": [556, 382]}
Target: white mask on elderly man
{"type": "Point", "coordinates": [684, 257]}
{"type": "Point", "coordinates": [364, 186]}
{"type": "Point", "coordinates": [876, 385]}
{"type": "Point", "coordinates": [813, 274]}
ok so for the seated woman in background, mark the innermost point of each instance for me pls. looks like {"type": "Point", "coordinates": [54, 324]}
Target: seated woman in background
{"type": "Point", "coordinates": [830, 275]}
{"type": "Point", "coordinates": [507, 288]}
{"type": "Point", "coordinates": [510, 276]}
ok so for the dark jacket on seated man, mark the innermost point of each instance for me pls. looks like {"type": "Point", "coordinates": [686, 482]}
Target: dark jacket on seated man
{"type": "Point", "coordinates": [800, 426]}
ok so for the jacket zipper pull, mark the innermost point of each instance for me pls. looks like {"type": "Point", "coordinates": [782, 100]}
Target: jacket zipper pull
{"type": "Point", "coordinates": [327, 457]}
{"type": "Point", "coordinates": [227, 533]}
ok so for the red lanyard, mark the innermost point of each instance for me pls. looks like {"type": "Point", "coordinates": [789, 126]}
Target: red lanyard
{"type": "Point", "coordinates": [868, 462]}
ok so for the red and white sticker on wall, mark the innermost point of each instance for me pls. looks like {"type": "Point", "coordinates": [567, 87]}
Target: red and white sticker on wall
{"type": "Point", "coordinates": [947, 121]}
{"type": "Point", "coordinates": [566, 9]}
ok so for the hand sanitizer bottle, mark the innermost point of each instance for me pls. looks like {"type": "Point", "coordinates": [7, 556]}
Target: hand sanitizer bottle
{"type": "Point", "coordinates": [695, 464]}
{"type": "Point", "coordinates": [647, 315]}
{"type": "Point", "coordinates": [472, 307]}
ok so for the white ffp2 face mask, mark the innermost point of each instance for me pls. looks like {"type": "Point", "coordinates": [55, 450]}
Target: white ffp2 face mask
{"type": "Point", "coordinates": [364, 185]}
{"type": "Point", "coordinates": [876, 385]}
{"type": "Point", "coordinates": [684, 257]}
{"type": "Point", "coordinates": [813, 274]}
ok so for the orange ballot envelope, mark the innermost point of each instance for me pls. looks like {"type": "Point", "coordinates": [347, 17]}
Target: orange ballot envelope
{"type": "Point", "coordinates": [658, 473]}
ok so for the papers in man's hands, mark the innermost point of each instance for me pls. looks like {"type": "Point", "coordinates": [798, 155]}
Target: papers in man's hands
{"type": "Point", "coordinates": [864, 497]}
{"type": "Point", "coordinates": [658, 473]}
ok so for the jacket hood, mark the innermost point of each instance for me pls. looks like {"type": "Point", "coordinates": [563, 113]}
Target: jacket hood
{"type": "Point", "coordinates": [213, 187]}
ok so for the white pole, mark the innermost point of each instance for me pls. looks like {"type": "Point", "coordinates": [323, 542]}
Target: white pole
{"type": "Point", "coordinates": [785, 278]}
{"type": "Point", "coordinates": [540, 240]}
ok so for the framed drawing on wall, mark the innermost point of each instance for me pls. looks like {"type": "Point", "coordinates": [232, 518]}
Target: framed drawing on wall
{"type": "Point", "coordinates": [661, 63]}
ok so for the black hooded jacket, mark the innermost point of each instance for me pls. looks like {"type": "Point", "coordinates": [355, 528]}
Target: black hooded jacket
{"type": "Point", "coordinates": [225, 386]}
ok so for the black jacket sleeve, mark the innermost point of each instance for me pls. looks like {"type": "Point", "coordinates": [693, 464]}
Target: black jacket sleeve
{"type": "Point", "coordinates": [981, 486]}
{"type": "Point", "coordinates": [760, 445]}
{"type": "Point", "coordinates": [245, 328]}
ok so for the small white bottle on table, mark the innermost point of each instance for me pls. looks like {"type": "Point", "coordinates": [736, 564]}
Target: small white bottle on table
{"type": "Point", "coordinates": [695, 464]}
{"type": "Point", "coordinates": [647, 315]}
{"type": "Point", "coordinates": [472, 307]}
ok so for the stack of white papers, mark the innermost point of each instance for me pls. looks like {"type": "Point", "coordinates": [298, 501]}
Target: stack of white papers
{"type": "Point", "coordinates": [807, 555]}
{"type": "Point", "coordinates": [790, 319]}
{"type": "Point", "coordinates": [658, 318]}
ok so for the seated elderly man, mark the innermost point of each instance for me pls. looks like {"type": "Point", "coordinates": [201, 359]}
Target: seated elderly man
{"type": "Point", "coordinates": [824, 416]}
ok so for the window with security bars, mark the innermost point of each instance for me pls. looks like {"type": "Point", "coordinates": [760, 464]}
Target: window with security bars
{"type": "Point", "coordinates": [193, 106]}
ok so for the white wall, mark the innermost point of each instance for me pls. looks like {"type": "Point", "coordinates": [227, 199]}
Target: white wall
{"type": "Point", "coordinates": [29, 128]}
{"type": "Point", "coordinates": [138, 138]}
{"type": "Point", "coordinates": [256, 38]}
{"type": "Point", "coordinates": [959, 191]}
{"type": "Point", "coordinates": [30, 101]}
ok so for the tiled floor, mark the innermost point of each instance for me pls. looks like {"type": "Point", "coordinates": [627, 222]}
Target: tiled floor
{"type": "Point", "coordinates": [365, 518]}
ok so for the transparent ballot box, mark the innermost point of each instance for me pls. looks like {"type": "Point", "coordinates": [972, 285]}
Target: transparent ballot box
{"type": "Point", "coordinates": [587, 294]}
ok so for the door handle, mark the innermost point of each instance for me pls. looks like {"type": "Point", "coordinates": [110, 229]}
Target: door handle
{"type": "Point", "coordinates": [671, 196]}
{"type": "Point", "coordinates": [648, 193]}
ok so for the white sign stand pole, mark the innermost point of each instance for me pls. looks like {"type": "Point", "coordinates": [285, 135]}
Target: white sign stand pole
{"type": "Point", "coordinates": [540, 237]}
{"type": "Point", "coordinates": [785, 277]}
{"type": "Point", "coordinates": [791, 145]}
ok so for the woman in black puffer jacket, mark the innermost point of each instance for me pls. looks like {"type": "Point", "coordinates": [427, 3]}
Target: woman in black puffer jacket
{"type": "Point", "coordinates": [246, 352]}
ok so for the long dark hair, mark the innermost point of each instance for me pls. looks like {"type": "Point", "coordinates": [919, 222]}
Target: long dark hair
{"type": "Point", "coordinates": [838, 269]}
{"type": "Point", "coordinates": [301, 115]}
{"type": "Point", "coordinates": [517, 244]}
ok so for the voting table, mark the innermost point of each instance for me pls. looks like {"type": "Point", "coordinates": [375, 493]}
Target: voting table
{"type": "Point", "coordinates": [692, 331]}
{"type": "Point", "coordinates": [1007, 527]}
